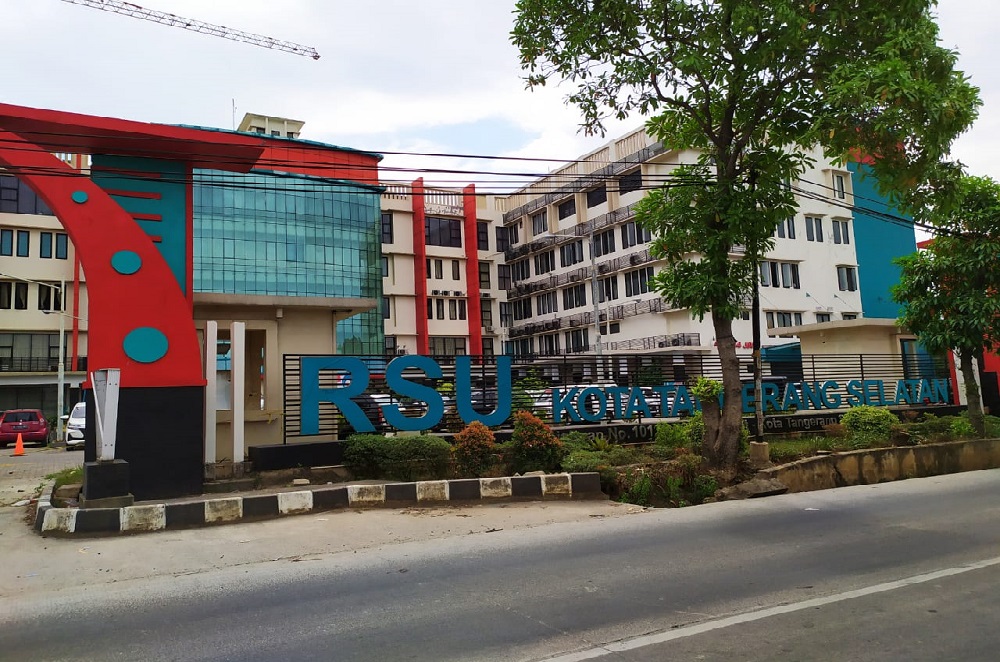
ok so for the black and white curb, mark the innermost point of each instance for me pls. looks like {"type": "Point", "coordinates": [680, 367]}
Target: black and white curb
{"type": "Point", "coordinates": [157, 517]}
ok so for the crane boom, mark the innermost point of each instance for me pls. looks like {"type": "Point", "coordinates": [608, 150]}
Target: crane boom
{"type": "Point", "coordinates": [164, 18]}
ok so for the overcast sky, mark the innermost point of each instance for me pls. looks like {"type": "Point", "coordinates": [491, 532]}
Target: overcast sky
{"type": "Point", "coordinates": [394, 76]}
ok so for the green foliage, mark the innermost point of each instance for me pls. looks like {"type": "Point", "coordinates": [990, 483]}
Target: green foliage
{"type": "Point", "coordinates": [751, 86]}
{"type": "Point", "coordinates": [404, 458]}
{"type": "Point", "coordinates": [533, 446]}
{"type": "Point", "coordinates": [475, 450]}
{"type": "Point", "coordinates": [694, 429]}
{"type": "Point", "coordinates": [67, 476]}
{"type": "Point", "coordinates": [868, 420]}
{"type": "Point", "coordinates": [636, 488]}
{"type": "Point", "coordinates": [961, 428]}
{"type": "Point", "coordinates": [688, 465]}
{"type": "Point", "coordinates": [576, 440]}
{"type": "Point", "coordinates": [526, 390]}
{"type": "Point", "coordinates": [705, 486]}
{"type": "Point", "coordinates": [585, 461]}
{"type": "Point", "coordinates": [671, 435]}
{"type": "Point", "coordinates": [706, 389]}
{"type": "Point", "coordinates": [650, 375]}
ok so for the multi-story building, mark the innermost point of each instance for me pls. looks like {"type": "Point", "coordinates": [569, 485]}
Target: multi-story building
{"type": "Point", "coordinates": [443, 277]}
{"type": "Point", "coordinates": [42, 291]}
{"type": "Point", "coordinates": [581, 266]}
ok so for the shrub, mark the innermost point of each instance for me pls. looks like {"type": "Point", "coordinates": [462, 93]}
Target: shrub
{"type": "Point", "coordinates": [704, 487]}
{"type": "Point", "coordinates": [961, 428]}
{"type": "Point", "coordinates": [620, 455]}
{"type": "Point", "coordinates": [694, 429]}
{"type": "Point", "coordinates": [868, 422]}
{"type": "Point", "coordinates": [688, 465]}
{"type": "Point", "coordinates": [671, 435]}
{"type": "Point", "coordinates": [400, 458]}
{"type": "Point", "coordinates": [475, 450]}
{"type": "Point", "coordinates": [585, 461]}
{"type": "Point", "coordinates": [533, 446]}
{"type": "Point", "coordinates": [636, 488]}
{"type": "Point", "coordinates": [576, 440]}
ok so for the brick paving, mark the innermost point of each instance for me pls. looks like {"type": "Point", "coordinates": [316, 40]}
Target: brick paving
{"type": "Point", "coordinates": [21, 476]}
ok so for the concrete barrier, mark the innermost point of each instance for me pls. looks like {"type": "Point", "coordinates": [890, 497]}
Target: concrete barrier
{"type": "Point", "coordinates": [882, 465]}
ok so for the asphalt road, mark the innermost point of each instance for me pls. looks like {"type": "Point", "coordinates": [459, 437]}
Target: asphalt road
{"type": "Point", "coordinates": [902, 571]}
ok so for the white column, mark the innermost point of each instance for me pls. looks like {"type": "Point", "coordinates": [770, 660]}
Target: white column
{"type": "Point", "coordinates": [60, 397]}
{"type": "Point", "coordinates": [211, 379]}
{"type": "Point", "coordinates": [237, 335]}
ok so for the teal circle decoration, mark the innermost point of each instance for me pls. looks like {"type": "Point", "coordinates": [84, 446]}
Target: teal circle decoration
{"type": "Point", "coordinates": [145, 344]}
{"type": "Point", "coordinates": [79, 197]}
{"type": "Point", "coordinates": [126, 262]}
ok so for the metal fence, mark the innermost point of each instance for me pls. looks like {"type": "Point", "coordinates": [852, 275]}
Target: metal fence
{"type": "Point", "coordinates": [534, 377]}
{"type": "Point", "coordinates": [39, 364]}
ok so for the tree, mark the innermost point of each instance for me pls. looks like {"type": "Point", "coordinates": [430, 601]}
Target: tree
{"type": "Point", "coordinates": [950, 292]}
{"type": "Point", "coordinates": [751, 85]}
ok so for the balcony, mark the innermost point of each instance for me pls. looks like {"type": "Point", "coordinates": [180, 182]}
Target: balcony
{"type": "Point", "coordinates": [39, 364]}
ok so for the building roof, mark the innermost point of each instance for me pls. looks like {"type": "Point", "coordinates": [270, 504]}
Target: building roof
{"type": "Point", "coordinates": [859, 323]}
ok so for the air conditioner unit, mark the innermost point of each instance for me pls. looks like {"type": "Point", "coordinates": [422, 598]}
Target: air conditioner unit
{"type": "Point", "coordinates": [438, 292]}
{"type": "Point", "coordinates": [485, 295]}
{"type": "Point", "coordinates": [401, 351]}
{"type": "Point", "coordinates": [662, 343]}
{"type": "Point", "coordinates": [488, 329]}
{"type": "Point", "coordinates": [459, 294]}
{"type": "Point", "coordinates": [603, 268]}
{"type": "Point", "coordinates": [574, 322]}
{"type": "Point", "coordinates": [635, 259]}
{"type": "Point", "coordinates": [574, 278]}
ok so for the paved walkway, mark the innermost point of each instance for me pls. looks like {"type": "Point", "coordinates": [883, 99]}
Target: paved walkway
{"type": "Point", "coordinates": [21, 476]}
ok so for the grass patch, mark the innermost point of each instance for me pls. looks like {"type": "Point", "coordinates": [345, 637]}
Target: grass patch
{"type": "Point", "coordinates": [68, 476]}
{"type": "Point", "coordinates": [789, 450]}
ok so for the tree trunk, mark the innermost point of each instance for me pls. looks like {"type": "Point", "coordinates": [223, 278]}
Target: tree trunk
{"type": "Point", "coordinates": [723, 426]}
{"type": "Point", "coordinates": [972, 394]}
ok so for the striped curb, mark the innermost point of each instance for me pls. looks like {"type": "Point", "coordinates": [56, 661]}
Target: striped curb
{"type": "Point", "coordinates": [159, 517]}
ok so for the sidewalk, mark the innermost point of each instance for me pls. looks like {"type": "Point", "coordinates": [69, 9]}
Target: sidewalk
{"type": "Point", "coordinates": [21, 476]}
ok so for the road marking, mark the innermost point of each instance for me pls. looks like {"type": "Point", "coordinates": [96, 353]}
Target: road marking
{"type": "Point", "coordinates": [700, 628]}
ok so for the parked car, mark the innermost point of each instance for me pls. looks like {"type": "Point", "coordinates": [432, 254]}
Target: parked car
{"type": "Point", "coordinates": [29, 423]}
{"type": "Point", "coordinates": [76, 423]}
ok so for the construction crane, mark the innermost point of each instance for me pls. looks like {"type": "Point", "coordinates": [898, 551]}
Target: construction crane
{"type": "Point", "coordinates": [135, 11]}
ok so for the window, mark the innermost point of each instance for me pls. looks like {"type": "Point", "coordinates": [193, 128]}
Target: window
{"type": "Point", "coordinates": [607, 289]}
{"type": "Point", "coordinates": [6, 242]}
{"type": "Point", "coordinates": [503, 239]}
{"type": "Point", "coordinates": [571, 253]}
{"type": "Point", "coordinates": [567, 208]}
{"type": "Point", "coordinates": [439, 308]}
{"type": "Point", "coordinates": [443, 232]}
{"type": "Point", "coordinates": [428, 269]}
{"type": "Point", "coordinates": [390, 346]}
{"type": "Point", "coordinates": [503, 276]}
{"type": "Point", "coordinates": [486, 316]}
{"type": "Point", "coordinates": [513, 234]}
{"type": "Point", "coordinates": [506, 314]}
{"type": "Point", "coordinates": [456, 270]}
{"type": "Point", "coordinates": [539, 223]}
{"type": "Point", "coordinates": [637, 282]}
{"type": "Point", "coordinates": [597, 196]}
{"type": "Point", "coordinates": [814, 228]}
{"type": "Point", "coordinates": [23, 237]}
{"type": "Point", "coordinates": [839, 187]}
{"type": "Point", "coordinates": [387, 235]}
{"type": "Point", "coordinates": [430, 309]}
{"type": "Point", "coordinates": [45, 245]}
{"type": "Point", "coordinates": [20, 296]}
{"type": "Point", "coordinates": [849, 316]}
{"type": "Point", "coordinates": [548, 345]}
{"type": "Point", "coordinates": [822, 317]}
{"type": "Point", "coordinates": [61, 246]}
{"type": "Point", "coordinates": [49, 297]}
{"type": "Point", "coordinates": [523, 347]}
{"type": "Point", "coordinates": [439, 269]}
{"type": "Point", "coordinates": [782, 319]}
{"type": "Point", "coordinates": [577, 341]}
{"type": "Point", "coordinates": [545, 262]}
{"type": "Point", "coordinates": [786, 228]}
{"type": "Point", "coordinates": [485, 282]}
{"type": "Point", "coordinates": [847, 279]}
{"type": "Point", "coordinates": [522, 309]}
{"type": "Point", "coordinates": [630, 182]}
{"type": "Point", "coordinates": [452, 309]}
{"type": "Point", "coordinates": [385, 308]}
{"type": "Point", "coordinates": [445, 346]}
{"type": "Point", "coordinates": [604, 243]}
{"type": "Point", "coordinates": [488, 347]}
{"type": "Point", "coordinates": [16, 197]}
{"type": "Point", "coordinates": [616, 327]}
{"type": "Point", "coordinates": [463, 310]}
{"type": "Point", "coordinates": [574, 297]}
{"type": "Point", "coordinates": [841, 233]}
{"type": "Point", "coordinates": [547, 303]}
{"type": "Point", "coordinates": [633, 234]}
{"type": "Point", "coordinates": [6, 295]}
{"type": "Point", "coordinates": [483, 236]}
{"type": "Point", "coordinates": [520, 270]}
{"type": "Point", "coordinates": [779, 274]}
{"type": "Point", "coordinates": [385, 266]}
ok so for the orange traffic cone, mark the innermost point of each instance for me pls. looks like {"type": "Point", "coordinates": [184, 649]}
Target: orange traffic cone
{"type": "Point", "coordinates": [19, 446]}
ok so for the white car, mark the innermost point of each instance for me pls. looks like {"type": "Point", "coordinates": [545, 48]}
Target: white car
{"type": "Point", "coordinates": [75, 425]}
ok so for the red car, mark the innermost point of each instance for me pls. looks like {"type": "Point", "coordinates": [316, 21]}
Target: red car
{"type": "Point", "coordinates": [29, 423]}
